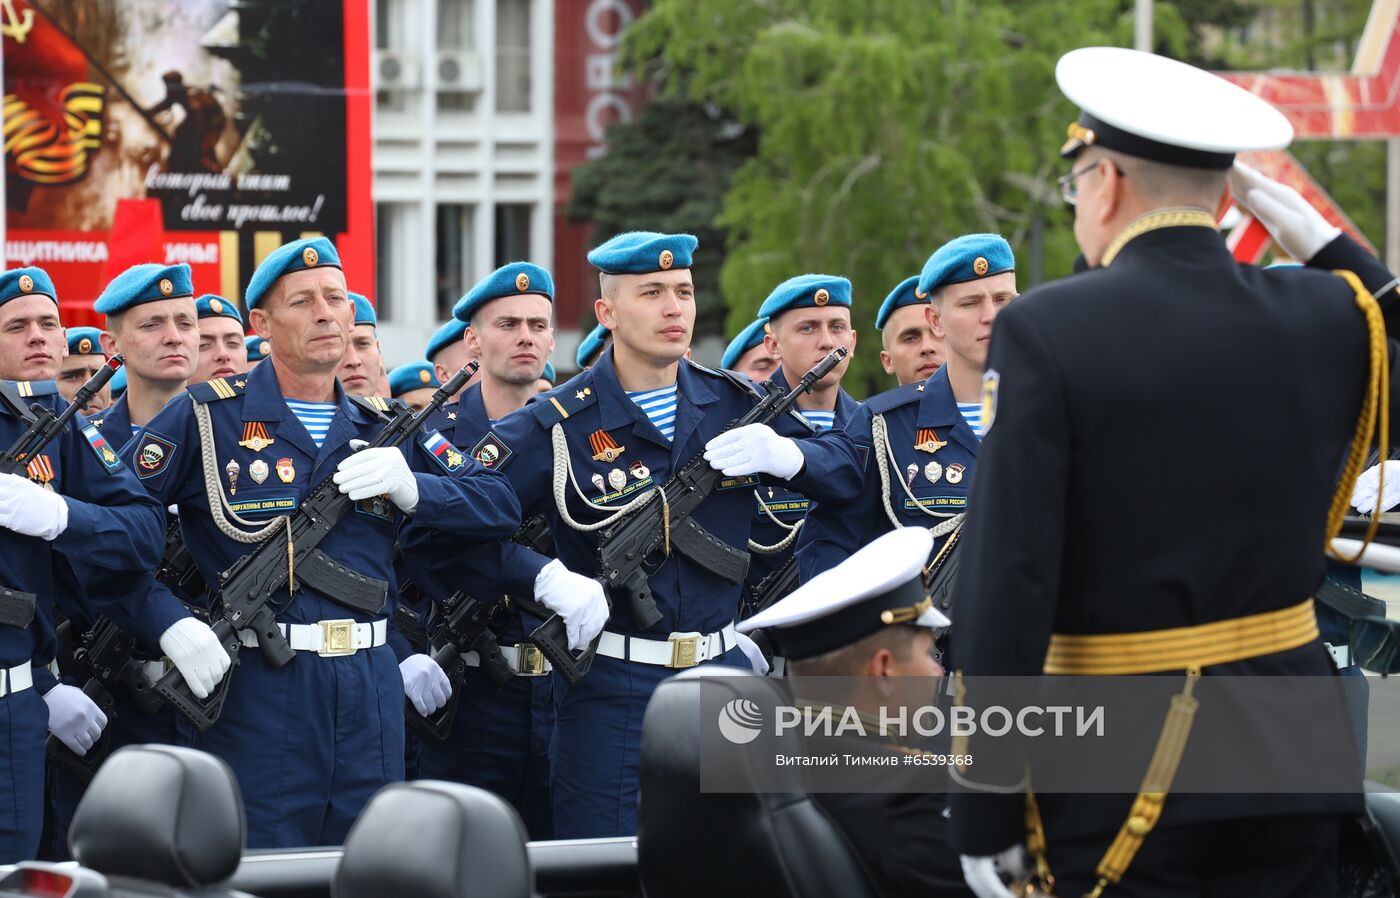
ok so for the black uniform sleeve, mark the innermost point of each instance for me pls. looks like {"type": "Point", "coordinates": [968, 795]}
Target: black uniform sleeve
{"type": "Point", "coordinates": [1344, 253]}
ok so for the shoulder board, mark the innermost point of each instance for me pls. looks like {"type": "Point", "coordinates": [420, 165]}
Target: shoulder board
{"type": "Point", "coordinates": [214, 390]}
{"type": "Point", "coordinates": [28, 389]}
{"type": "Point", "coordinates": [563, 402]}
{"type": "Point", "coordinates": [742, 381]}
{"type": "Point", "coordinates": [378, 406]}
{"type": "Point", "coordinates": [892, 399]}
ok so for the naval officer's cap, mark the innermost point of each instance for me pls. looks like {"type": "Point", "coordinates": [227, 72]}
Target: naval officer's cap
{"type": "Point", "coordinates": [258, 348]}
{"type": "Point", "coordinates": [643, 252]}
{"type": "Point", "coordinates": [211, 305]}
{"type": "Point", "coordinates": [748, 338]}
{"type": "Point", "coordinates": [412, 376]}
{"type": "Point", "coordinates": [84, 341]}
{"type": "Point", "coordinates": [970, 257]}
{"type": "Point", "coordinates": [147, 282]}
{"type": "Point", "coordinates": [513, 279]}
{"type": "Point", "coordinates": [299, 255]}
{"type": "Point", "coordinates": [30, 281]}
{"type": "Point", "coordinates": [879, 586]}
{"type": "Point", "coordinates": [1156, 108]}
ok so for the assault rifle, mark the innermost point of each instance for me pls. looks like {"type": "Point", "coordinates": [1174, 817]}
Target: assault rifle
{"type": "Point", "coordinates": [244, 604]}
{"type": "Point", "coordinates": [177, 568]}
{"type": "Point", "coordinates": [665, 524]}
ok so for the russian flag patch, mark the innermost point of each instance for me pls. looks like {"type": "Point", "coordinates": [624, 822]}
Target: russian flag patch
{"type": "Point", "coordinates": [445, 453]}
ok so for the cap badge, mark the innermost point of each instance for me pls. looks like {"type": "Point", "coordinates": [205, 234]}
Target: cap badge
{"type": "Point", "coordinates": [85, 346]}
{"type": "Point", "coordinates": [979, 266]}
{"type": "Point", "coordinates": [216, 307]}
{"type": "Point", "coordinates": [264, 348]}
{"type": "Point", "coordinates": [423, 375]}
{"type": "Point", "coordinates": [821, 297]}
{"type": "Point", "coordinates": [309, 257]}
{"type": "Point", "coordinates": [667, 260]}
{"type": "Point", "coordinates": [26, 283]}
{"type": "Point", "coordinates": [919, 295]}
{"type": "Point", "coordinates": [166, 288]}
{"type": "Point", "coordinates": [522, 282]}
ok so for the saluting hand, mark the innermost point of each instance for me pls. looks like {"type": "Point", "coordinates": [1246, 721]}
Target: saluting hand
{"type": "Point", "coordinates": [1291, 221]}
{"type": "Point", "coordinates": [29, 509]}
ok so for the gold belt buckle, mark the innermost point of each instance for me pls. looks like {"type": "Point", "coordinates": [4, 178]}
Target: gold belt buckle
{"type": "Point", "coordinates": [337, 638]}
{"type": "Point", "coordinates": [685, 650]}
{"type": "Point", "coordinates": [529, 660]}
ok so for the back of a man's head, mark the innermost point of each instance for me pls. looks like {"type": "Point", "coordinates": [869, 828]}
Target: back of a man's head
{"type": "Point", "coordinates": [852, 660]}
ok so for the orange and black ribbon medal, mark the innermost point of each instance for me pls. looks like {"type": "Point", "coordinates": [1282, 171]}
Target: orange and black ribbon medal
{"type": "Point", "coordinates": [255, 436]}
{"type": "Point", "coordinates": [926, 440]}
{"type": "Point", "coordinates": [604, 447]}
{"type": "Point", "coordinates": [41, 472]}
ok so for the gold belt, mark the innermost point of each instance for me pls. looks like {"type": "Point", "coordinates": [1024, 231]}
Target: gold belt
{"type": "Point", "coordinates": [1158, 651]}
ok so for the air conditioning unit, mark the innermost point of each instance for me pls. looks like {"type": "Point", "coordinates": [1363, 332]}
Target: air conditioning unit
{"type": "Point", "coordinates": [396, 71]}
{"type": "Point", "coordinates": [458, 71]}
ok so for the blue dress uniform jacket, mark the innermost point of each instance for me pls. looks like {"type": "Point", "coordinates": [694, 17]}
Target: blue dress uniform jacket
{"type": "Point", "coordinates": [598, 722]}
{"type": "Point", "coordinates": [312, 741]}
{"type": "Point", "coordinates": [500, 737]}
{"type": "Point", "coordinates": [113, 528]}
{"type": "Point", "coordinates": [930, 477]}
{"type": "Point", "coordinates": [777, 509]}
{"type": "Point", "coordinates": [1107, 444]}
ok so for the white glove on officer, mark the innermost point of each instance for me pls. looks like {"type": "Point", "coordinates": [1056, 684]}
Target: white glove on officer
{"type": "Point", "coordinates": [984, 875]}
{"type": "Point", "coordinates": [74, 718]}
{"type": "Point", "coordinates": [754, 654]}
{"type": "Point", "coordinates": [424, 683]}
{"type": "Point", "coordinates": [28, 508]}
{"type": "Point", "coordinates": [194, 649]}
{"type": "Point", "coordinates": [579, 600]}
{"type": "Point", "coordinates": [754, 449]}
{"type": "Point", "coordinates": [1296, 226]}
{"type": "Point", "coordinates": [377, 472]}
{"type": "Point", "coordinates": [1363, 497]}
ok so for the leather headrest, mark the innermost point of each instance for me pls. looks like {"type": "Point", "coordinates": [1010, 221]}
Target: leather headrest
{"type": "Point", "coordinates": [434, 839]}
{"type": "Point", "coordinates": [161, 813]}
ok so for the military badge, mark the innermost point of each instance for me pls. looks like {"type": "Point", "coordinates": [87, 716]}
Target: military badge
{"type": "Point", "coordinates": [255, 436]}
{"type": "Point", "coordinates": [85, 346]}
{"type": "Point", "coordinates": [933, 470]}
{"type": "Point", "coordinates": [443, 451]}
{"type": "Point", "coordinates": [926, 440]}
{"type": "Point", "coordinates": [640, 471]}
{"type": "Point", "coordinates": [286, 471]}
{"type": "Point", "coordinates": [990, 381]}
{"type": "Point", "coordinates": [616, 479]}
{"type": "Point", "coordinates": [600, 484]}
{"type": "Point", "coordinates": [41, 472]}
{"type": "Point", "coordinates": [955, 473]}
{"type": "Point", "coordinates": [232, 469]}
{"type": "Point", "coordinates": [910, 473]}
{"type": "Point", "coordinates": [216, 307]}
{"type": "Point", "coordinates": [605, 448]}
{"type": "Point", "coordinates": [258, 470]}
{"type": "Point", "coordinates": [491, 451]}
{"type": "Point", "coordinates": [26, 283]}
{"type": "Point", "coordinates": [153, 456]}
{"type": "Point", "coordinates": [102, 448]}
{"type": "Point", "coordinates": [522, 282]}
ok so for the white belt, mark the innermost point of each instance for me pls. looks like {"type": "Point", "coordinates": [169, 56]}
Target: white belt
{"type": "Point", "coordinates": [677, 650]}
{"type": "Point", "coordinates": [15, 679]}
{"type": "Point", "coordinates": [1341, 655]}
{"type": "Point", "coordinates": [328, 638]}
{"type": "Point", "coordinates": [525, 659]}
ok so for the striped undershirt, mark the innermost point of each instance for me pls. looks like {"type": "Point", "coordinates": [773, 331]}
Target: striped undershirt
{"type": "Point", "coordinates": [972, 414]}
{"type": "Point", "coordinates": [315, 417]}
{"type": "Point", "coordinates": [820, 420]}
{"type": "Point", "coordinates": [660, 408]}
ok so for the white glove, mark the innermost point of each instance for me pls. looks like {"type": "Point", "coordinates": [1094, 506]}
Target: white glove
{"type": "Point", "coordinates": [754, 449]}
{"type": "Point", "coordinates": [74, 718]}
{"type": "Point", "coordinates": [194, 649]}
{"type": "Point", "coordinates": [754, 654]}
{"type": "Point", "coordinates": [1363, 497]}
{"type": "Point", "coordinates": [579, 600]}
{"type": "Point", "coordinates": [28, 508]}
{"type": "Point", "coordinates": [1296, 226]}
{"type": "Point", "coordinates": [984, 875]}
{"type": "Point", "coordinates": [424, 683]}
{"type": "Point", "coordinates": [377, 472]}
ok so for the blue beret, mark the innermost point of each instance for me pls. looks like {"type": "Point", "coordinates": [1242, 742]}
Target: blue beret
{"type": "Point", "coordinates": [642, 252]}
{"type": "Point", "coordinates": [413, 376]}
{"type": "Point", "coordinates": [549, 374]}
{"type": "Point", "coordinates": [806, 291]}
{"type": "Point", "coordinates": [966, 258]}
{"type": "Point", "coordinates": [445, 336]}
{"type": "Point", "coordinates": [592, 346]}
{"type": "Point", "coordinates": [748, 338]}
{"type": "Point", "coordinates": [258, 348]}
{"type": "Point", "coordinates": [1283, 265]}
{"type": "Point", "coordinates": [513, 279]}
{"type": "Point", "coordinates": [212, 306]}
{"type": "Point", "coordinates": [118, 382]}
{"type": "Point", "coordinates": [906, 294]}
{"type": "Point", "coordinates": [309, 252]}
{"type": "Point", "coordinates": [19, 282]}
{"type": "Point", "coordinates": [144, 283]}
{"type": "Point", "coordinates": [84, 341]}
{"type": "Point", "coordinates": [364, 312]}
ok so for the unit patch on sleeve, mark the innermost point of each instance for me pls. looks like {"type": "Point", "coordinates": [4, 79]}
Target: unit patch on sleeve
{"type": "Point", "coordinates": [105, 453]}
{"type": "Point", "coordinates": [491, 451]}
{"type": "Point", "coordinates": [153, 456]}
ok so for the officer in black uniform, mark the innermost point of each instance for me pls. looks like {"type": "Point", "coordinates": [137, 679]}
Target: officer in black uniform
{"type": "Point", "coordinates": [1144, 471]}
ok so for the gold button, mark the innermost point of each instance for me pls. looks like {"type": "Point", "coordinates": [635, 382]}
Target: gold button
{"type": "Point", "coordinates": [667, 260]}
{"type": "Point", "coordinates": [1139, 826]}
{"type": "Point", "coordinates": [423, 374]}
{"type": "Point", "coordinates": [264, 348]}
{"type": "Point", "coordinates": [309, 257]}
{"type": "Point", "coordinates": [522, 282]}
{"type": "Point", "coordinates": [980, 266]}
{"type": "Point", "coordinates": [216, 307]}
{"type": "Point", "coordinates": [166, 288]}
{"type": "Point", "coordinates": [26, 283]}
{"type": "Point", "coordinates": [822, 297]}
{"type": "Point", "coordinates": [84, 346]}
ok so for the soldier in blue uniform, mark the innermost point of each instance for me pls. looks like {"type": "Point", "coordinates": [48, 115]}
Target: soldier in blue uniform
{"type": "Point", "coordinates": [748, 353]}
{"type": "Point", "coordinates": [82, 362]}
{"type": "Point", "coordinates": [908, 347]}
{"type": "Point", "coordinates": [413, 384]}
{"type": "Point", "coordinates": [807, 317]}
{"type": "Point", "coordinates": [623, 427]}
{"type": "Point", "coordinates": [222, 352]}
{"type": "Point", "coordinates": [258, 349]}
{"type": "Point", "coordinates": [80, 501]}
{"type": "Point", "coordinates": [924, 437]}
{"type": "Point", "coordinates": [500, 737]}
{"type": "Point", "coordinates": [448, 351]}
{"type": "Point", "coordinates": [311, 741]}
{"type": "Point", "coordinates": [360, 370]}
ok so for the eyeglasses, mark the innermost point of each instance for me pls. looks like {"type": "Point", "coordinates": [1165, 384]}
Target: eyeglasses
{"type": "Point", "coordinates": [1069, 189]}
